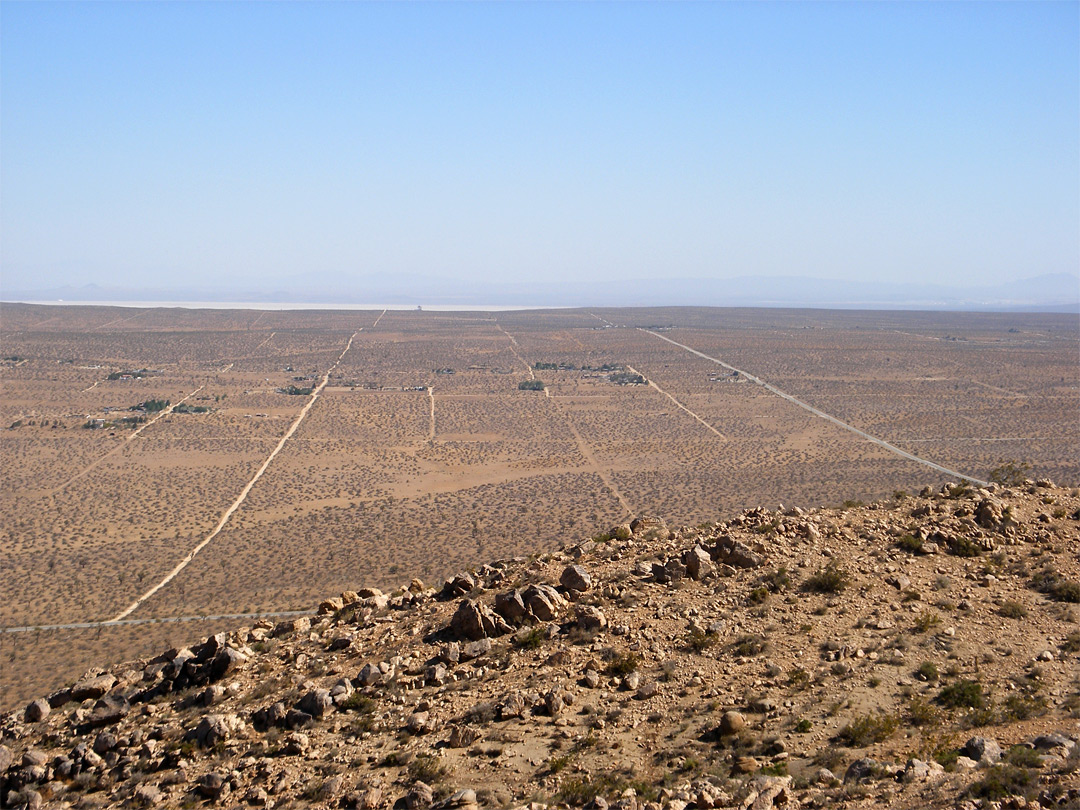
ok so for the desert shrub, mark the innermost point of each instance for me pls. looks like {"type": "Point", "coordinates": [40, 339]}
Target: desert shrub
{"type": "Point", "coordinates": [1023, 756]}
{"type": "Point", "coordinates": [1050, 582]}
{"type": "Point", "coordinates": [757, 596]}
{"type": "Point", "coordinates": [426, 768]}
{"type": "Point", "coordinates": [926, 620]}
{"type": "Point", "coordinates": [830, 579]}
{"type": "Point", "coordinates": [803, 726]}
{"type": "Point", "coordinates": [928, 671]}
{"type": "Point", "coordinates": [798, 678]}
{"type": "Point", "coordinates": [1012, 609]}
{"type": "Point", "coordinates": [580, 790]}
{"type": "Point", "coordinates": [1002, 781]}
{"type": "Point", "coordinates": [920, 713]}
{"type": "Point", "coordinates": [867, 729]}
{"type": "Point", "coordinates": [556, 764]}
{"type": "Point", "coordinates": [1023, 707]}
{"type": "Point", "coordinates": [963, 694]}
{"type": "Point", "coordinates": [529, 640]}
{"type": "Point", "coordinates": [357, 702]}
{"type": "Point", "coordinates": [483, 712]}
{"type": "Point", "coordinates": [698, 640]}
{"type": "Point", "coordinates": [749, 645]}
{"type": "Point", "coordinates": [622, 664]}
{"type": "Point", "coordinates": [1071, 643]}
{"type": "Point", "coordinates": [777, 581]}
{"type": "Point", "coordinates": [964, 547]}
{"type": "Point", "coordinates": [1010, 473]}
{"type": "Point", "coordinates": [910, 543]}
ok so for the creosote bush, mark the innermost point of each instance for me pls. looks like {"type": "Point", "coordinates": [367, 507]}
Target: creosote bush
{"type": "Point", "coordinates": [867, 729]}
{"type": "Point", "coordinates": [830, 579]}
{"type": "Point", "coordinates": [963, 694]}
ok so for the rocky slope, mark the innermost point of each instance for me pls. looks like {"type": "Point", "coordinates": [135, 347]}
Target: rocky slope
{"type": "Point", "coordinates": [919, 652]}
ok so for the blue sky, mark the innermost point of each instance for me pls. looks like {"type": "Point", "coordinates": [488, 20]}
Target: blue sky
{"type": "Point", "coordinates": [183, 143]}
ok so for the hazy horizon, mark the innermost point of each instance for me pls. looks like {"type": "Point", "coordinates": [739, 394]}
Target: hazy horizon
{"type": "Point", "coordinates": [287, 146]}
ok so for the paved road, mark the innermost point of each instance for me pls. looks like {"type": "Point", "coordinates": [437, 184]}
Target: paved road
{"type": "Point", "coordinates": [892, 448]}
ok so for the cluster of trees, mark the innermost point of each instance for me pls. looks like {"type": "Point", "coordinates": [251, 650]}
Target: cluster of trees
{"type": "Point", "coordinates": [543, 365]}
{"type": "Point", "coordinates": [626, 378]}
{"type": "Point", "coordinates": [531, 385]}
{"type": "Point", "coordinates": [136, 373]}
{"type": "Point", "coordinates": [151, 406]}
{"type": "Point", "coordinates": [292, 390]}
{"type": "Point", "coordinates": [183, 407]}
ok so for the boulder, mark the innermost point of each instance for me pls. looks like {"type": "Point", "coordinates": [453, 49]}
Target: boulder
{"type": "Point", "coordinates": [419, 797]}
{"type": "Point", "coordinates": [474, 620]}
{"type": "Point", "coordinates": [511, 607]}
{"type": "Point", "coordinates": [698, 563]}
{"type": "Point", "coordinates": [93, 686]}
{"type": "Point", "coordinates": [590, 619]}
{"type": "Point", "coordinates": [543, 602]}
{"type": "Point", "coordinates": [37, 711]}
{"type": "Point", "coordinates": [860, 770]}
{"type": "Point", "coordinates": [983, 750]}
{"type": "Point", "coordinates": [575, 578]}
{"type": "Point", "coordinates": [317, 702]}
{"type": "Point", "coordinates": [418, 723]}
{"type": "Point", "coordinates": [107, 711]}
{"type": "Point", "coordinates": [462, 737]}
{"type": "Point", "coordinates": [211, 730]}
{"type": "Point", "coordinates": [369, 675]}
{"type": "Point", "coordinates": [213, 786]}
{"type": "Point", "coordinates": [731, 722]}
{"type": "Point", "coordinates": [331, 605]}
{"type": "Point", "coordinates": [471, 650]}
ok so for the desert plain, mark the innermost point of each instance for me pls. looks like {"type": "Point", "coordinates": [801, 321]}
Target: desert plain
{"type": "Point", "coordinates": [305, 453]}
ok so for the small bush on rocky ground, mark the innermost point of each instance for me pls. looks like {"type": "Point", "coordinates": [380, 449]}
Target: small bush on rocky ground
{"type": "Point", "coordinates": [926, 620]}
{"type": "Point", "coordinates": [830, 579]}
{"type": "Point", "coordinates": [580, 790]}
{"type": "Point", "coordinates": [921, 713]}
{"type": "Point", "coordinates": [531, 640]}
{"type": "Point", "coordinates": [910, 543]}
{"type": "Point", "coordinates": [867, 729]}
{"type": "Point", "coordinates": [962, 694]}
{"type": "Point", "coordinates": [1023, 707]}
{"type": "Point", "coordinates": [1050, 582]}
{"type": "Point", "coordinates": [1012, 609]}
{"type": "Point", "coordinates": [426, 768]}
{"type": "Point", "coordinates": [964, 547]}
{"type": "Point", "coordinates": [1002, 781]}
{"type": "Point", "coordinates": [622, 664]}
{"type": "Point", "coordinates": [698, 640]}
{"type": "Point", "coordinates": [749, 645]}
{"type": "Point", "coordinates": [1010, 473]}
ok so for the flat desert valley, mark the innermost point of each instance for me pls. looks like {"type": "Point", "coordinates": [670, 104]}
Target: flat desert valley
{"type": "Point", "coordinates": [304, 453]}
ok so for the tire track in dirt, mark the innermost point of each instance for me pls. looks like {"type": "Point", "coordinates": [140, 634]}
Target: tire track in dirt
{"type": "Point", "coordinates": [120, 447]}
{"type": "Point", "coordinates": [678, 404]}
{"type": "Point", "coordinates": [583, 446]}
{"type": "Point", "coordinates": [827, 417]}
{"type": "Point", "coordinates": [180, 566]}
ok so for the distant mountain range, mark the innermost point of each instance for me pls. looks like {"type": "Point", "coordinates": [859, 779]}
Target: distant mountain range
{"type": "Point", "coordinates": [1059, 292]}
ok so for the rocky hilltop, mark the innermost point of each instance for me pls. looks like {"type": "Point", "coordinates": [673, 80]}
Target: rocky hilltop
{"type": "Point", "coordinates": [919, 652]}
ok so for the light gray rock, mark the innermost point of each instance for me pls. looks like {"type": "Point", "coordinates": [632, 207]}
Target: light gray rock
{"type": "Point", "coordinates": [37, 711]}
{"type": "Point", "coordinates": [575, 578]}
